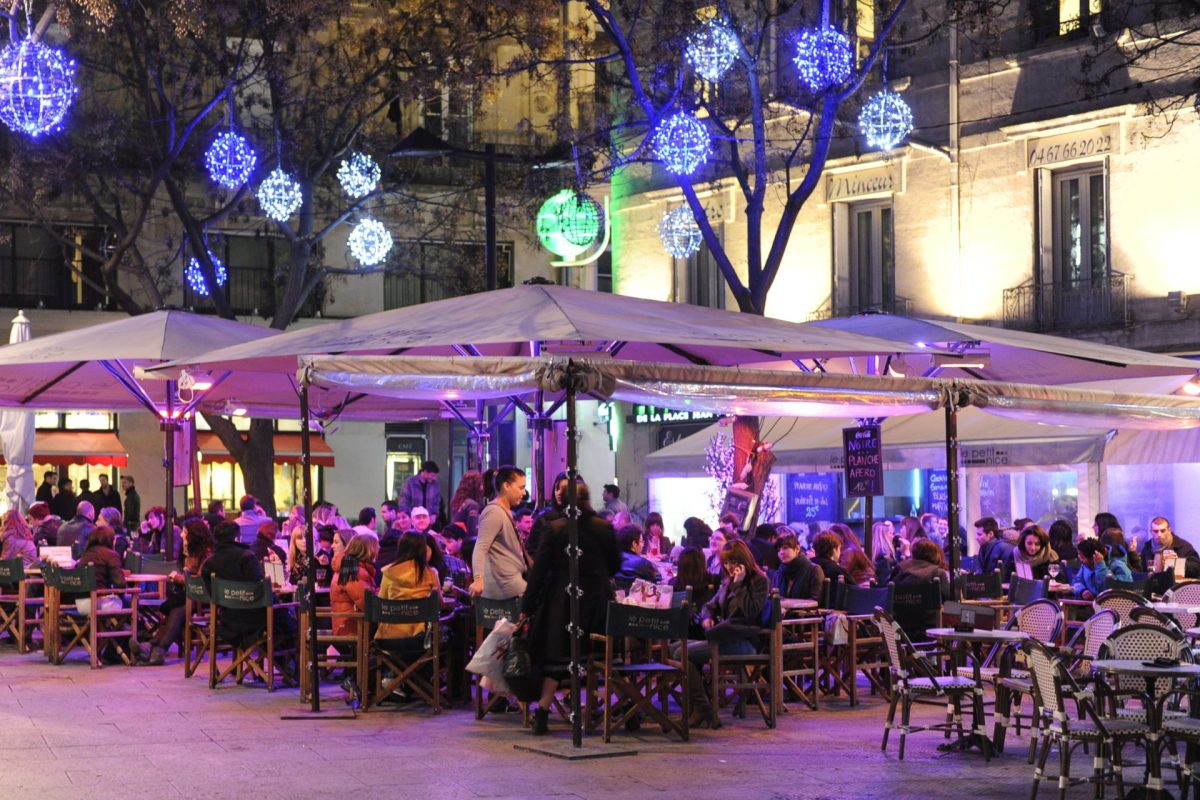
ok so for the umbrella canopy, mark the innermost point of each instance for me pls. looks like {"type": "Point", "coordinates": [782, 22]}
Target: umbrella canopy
{"type": "Point", "coordinates": [1000, 354]}
{"type": "Point", "coordinates": [16, 437]}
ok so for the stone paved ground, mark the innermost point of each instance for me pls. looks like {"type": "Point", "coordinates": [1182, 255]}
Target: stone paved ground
{"type": "Point", "coordinates": [127, 733]}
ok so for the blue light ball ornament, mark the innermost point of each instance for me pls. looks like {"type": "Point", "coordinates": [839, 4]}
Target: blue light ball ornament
{"type": "Point", "coordinates": [37, 87]}
{"type": "Point", "coordinates": [358, 175]}
{"type": "Point", "coordinates": [824, 58]}
{"type": "Point", "coordinates": [679, 232]}
{"type": "Point", "coordinates": [711, 49]}
{"type": "Point", "coordinates": [681, 143]}
{"type": "Point", "coordinates": [370, 242]}
{"type": "Point", "coordinates": [195, 277]}
{"type": "Point", "coordinates": [230, 160]}
{"type": "Point", "coordinates": [279, 195]}
{"type": "Point", "coordinates": [885, 120]}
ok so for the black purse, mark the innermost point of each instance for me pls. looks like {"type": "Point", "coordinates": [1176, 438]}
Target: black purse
{"type": "Point", "coordinates": [520, 672]}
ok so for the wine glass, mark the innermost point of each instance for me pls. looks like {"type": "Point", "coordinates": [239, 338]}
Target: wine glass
{"type": "Point", "coordinates": [1053, 568]}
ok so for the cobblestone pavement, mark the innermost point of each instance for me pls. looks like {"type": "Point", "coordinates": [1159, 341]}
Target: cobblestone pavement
{"type": "Point", "coordinates": [125, 733]}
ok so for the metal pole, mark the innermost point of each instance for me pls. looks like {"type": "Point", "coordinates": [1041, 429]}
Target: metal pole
{"type": "Point", "coordinates": [573, 588]}
{"type": "Point", "coordinates": [310, 545]}
{"type": "Point", "coordinates": [489, 216]}
{"type": "Point", "coordinates": [952, 483]}
{"type": "Point", "coordinates": [538, 441]}
{"type": "Point", "coordinates": [169, 426]}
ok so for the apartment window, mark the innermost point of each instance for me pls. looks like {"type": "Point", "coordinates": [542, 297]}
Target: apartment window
{"type": "Point", "coordinates": [251, 262]}
{"type": "Point", "coordinates": [1080, 227]}
{"type": "Point", "coordinates": [604, 272]}
{"type": "Point", "coordinates": [1055, 18]}
{"type": "Point", "coordinates": [447, 115]}
{"type": "Point", "coordinates": [857, 18]}
{"type": "Point", "coordinates": [436, 270]}
{"type": "Point", "coordinates": [40, 269]}
{"type": "Point", "coordinates": [703, 283]}
{"type": "Point", "coordinates": [867, 278]}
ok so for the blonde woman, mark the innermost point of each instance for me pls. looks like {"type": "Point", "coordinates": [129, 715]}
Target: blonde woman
{"type": "Point", "coordinates": [18, 539]}
{"type": "Point", "coordinates": [887, 550]}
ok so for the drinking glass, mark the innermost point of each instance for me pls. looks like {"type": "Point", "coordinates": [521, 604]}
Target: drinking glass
{"type": "Point", "coordinates": [1053, 569]}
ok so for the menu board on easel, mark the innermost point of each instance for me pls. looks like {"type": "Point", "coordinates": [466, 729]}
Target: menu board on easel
{"type": "Point", "coordinates": [863, 449]}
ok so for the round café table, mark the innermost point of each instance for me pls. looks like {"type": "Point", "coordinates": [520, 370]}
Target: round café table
{"type": "Point", "coordinates": [978, 641]}
{"type": "Point", "coordinates": [1152, 674]}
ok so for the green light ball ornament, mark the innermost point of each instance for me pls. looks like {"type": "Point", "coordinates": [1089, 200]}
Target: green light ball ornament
{"type": "Point", "coordinates": [569, 223]}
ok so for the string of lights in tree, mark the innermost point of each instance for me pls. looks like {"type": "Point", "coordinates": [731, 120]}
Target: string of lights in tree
{"type": "Point", "coordinates": [359, 175]}
{"type": "Point", "coordinates": [824, 57]}
{"type": "Point", "coordinates": [711, 49]}
{"type": "Point", "coordinates": [370, 242]}
{"type": "Point", "coordinates": [230, 160]}
{"type": "Point", "coordinates": [279, 195]}
{"type": "Point", "coordinates": [37, 87]}
{"type": "Point", "coordinates": [195, 276]}
{"type": "Point", "coordinates": [679, 232]}
{"type": "Point", "coordinates": [681, 143]}
{"type": "Point", "coordinates": [885, 120]}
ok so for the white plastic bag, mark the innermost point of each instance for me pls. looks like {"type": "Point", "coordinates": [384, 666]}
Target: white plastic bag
{"type": "Point", "coordinates": [488, 660]}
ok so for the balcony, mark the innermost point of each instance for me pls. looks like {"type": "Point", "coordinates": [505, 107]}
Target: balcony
{"type": "Point", "coordinates": [1055, 307]}
{"type": "Point", "coordinates": [899, 306]}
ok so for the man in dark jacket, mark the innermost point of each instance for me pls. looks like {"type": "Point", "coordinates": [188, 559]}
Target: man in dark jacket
{"type": "Point", "coordinates": [762, 546]}
{"type": "Point", "coordinates": [107, 495]}
{"type": "Point", "coordinates": [45, 492]}
{"type": "Point", "coordinates": [133, 504]}
{"type": "Point", "coordinates": [633, 564]}
{"type": "Point", "coordinates": [233, 561]}
{"type": "Point", "coordinates": [994, 552]}
{"type": "Point", "coordinates": [63, 504]}
{"type": "Point", "coordinates": [1163, 539]}
{"type": "Point", "coordinates": [75, 533]}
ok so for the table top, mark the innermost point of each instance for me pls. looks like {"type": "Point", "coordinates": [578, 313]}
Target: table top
{"type": "Point", "coordinates": [145, 577]}
{"type": "Point", "coordinates": [1175, 608]}
{"type": "Point", "coordinates": [1133, 666]}
{"type": "Point", "coordinates": [790, 604]}
{"type": "Point", "coordinates": [1193, 632]}
{"type": "Point", "coordinates": [976, 635]}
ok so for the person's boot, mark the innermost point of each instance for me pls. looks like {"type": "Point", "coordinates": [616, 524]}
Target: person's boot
{"type": "Point", "coordinates": [157, 657]}
{"type": "Point", "coordinates": [541, 722]}
{"type": "Point", "coordinates": [702, 713]}
{"type": "Point", "coordinates": [143, 652]}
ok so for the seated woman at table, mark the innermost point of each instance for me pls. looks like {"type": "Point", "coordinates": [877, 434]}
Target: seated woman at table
{"type": "Point", "coordinates": [1093, 574]}
{"type": "Point", "coordinates": [18, 539]}
{"type": "Point", "coordinates": [197, 545]}
{"type": "Point", "coordinates": [1130, 562]}
{"type": "Point", "coordinates": [633, 565]}
{"type": "Point", "coordinates": [828, 552]}
{"type": "Point", "coordinates": [409, 577]}
{"type": "Point", "coordinates": [853, 558]}
{"type": "Point", "coordinates": [353, 577]}
{"type": "Point", "coordinates": [110, 574]}
{"type": "Point", "coordinates": [732, 621]}
{"type": "Point", "coordinates": [716, 541]}
{"type": "Point", "coordinates": [692, 573]}
{"type": "Point", "coordinates": [1034, 550]}
{"type": "Point", "coordinates": [1062, 539]}
{"type": "Point", "coordinates": [797, 578]}
{"type": "Point", "coordinates": [653, 540]}
{"type": "Point", "coordinates": [887, 549]}
{"type": "Point", "coordinates": [927, 564]}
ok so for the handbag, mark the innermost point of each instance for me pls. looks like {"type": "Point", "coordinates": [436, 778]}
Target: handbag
{"type": "Point", "coordinates": [520, 672]}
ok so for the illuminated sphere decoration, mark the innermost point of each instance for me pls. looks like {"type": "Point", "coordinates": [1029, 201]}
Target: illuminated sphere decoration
{"type": "Point", "coordinates": [569, 223]}
{"type": "Point", "coordinates": [711, 49]}
{"type": "Point", "coordinates": [679, 232]}
{"type": "Point", "coordinates": [370, 242]}
{"type": "Point", "coordinates": [885, 120]}
{"type": "Point", "coordinates": [37, 87]}
{"type": "Point", "coordinates": [824, 58]}
{"type": "Point", "coordinates": [230, 160]}
{"type": "Point", "coordinates": [359, 175]}
{"type": "Point", "coordinates": [279, 195]}
{"type": "Point", "coordinates": [681, 143]}
{"type": "Point", "coordinates": [195, 277]}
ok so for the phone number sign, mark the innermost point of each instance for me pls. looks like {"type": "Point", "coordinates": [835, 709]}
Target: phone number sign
{"type": "Point", "coordinates": [1071, 146]}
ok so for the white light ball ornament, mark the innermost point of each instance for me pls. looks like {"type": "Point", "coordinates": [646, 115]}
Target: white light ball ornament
{"type": "Point", "coordinates": [279, 195]}
{"type": "Point", "coordinates": [711, 49]}
{"type": "Point", "coordinates": [37, 87]}
{"type": "Point", "coordinates": [681, 143]}
{"type": "Point", "coordinates": [885, 120]}
{"type": "Point", "coordinates": [359, 175]}
{"type": "Point", "coordinates": [370, 242]}
{"type": "Point", "coordinates": [679, 232]}
{"type": "Point", "coordinates": [824, 58]}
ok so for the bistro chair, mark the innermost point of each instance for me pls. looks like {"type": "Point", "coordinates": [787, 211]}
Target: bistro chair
{"type": "Point", "coordinates": [918, 607]}
{"type": "Point", "coordinates": [755, 676]}
{"type": "Point", "coordinates": [197, 624]}
{"type": "Point", "coordinates": [487, 613]}
{"type": "Point", "coordinates": [1022, 591]}
{"type": "Point", "coordinates": [1042, 621]}
{"type": "Point", "coordinates": [637, 668]}
{"type": "Point", "coordinates": [1184, 593]}
{"type": "Point", "coordinates": [915, 679]}
{"type": "Point", "coordinates": [1145, 615]}
{"type": "Point", "coordinates": [20, 613]}
{"type": "Point", "coordinates": [1120, 601]}
{"type": "Point", "coordinates": [981, 587]}
{"type": "Point", "coordinates": [350, 649]}
{"type": "Point", "coordinates": [1052, 687]}
{"type": "Point", "coordinates": [93, 625]}
{"type": "Point", "coordinates": [1138, 587]}
{"type": "Point", "coordinates": [1141, 642]}
{"type": "Point", "coordinates": [257, 652]}
{"type": "Point", "coordinates": [420, 674]}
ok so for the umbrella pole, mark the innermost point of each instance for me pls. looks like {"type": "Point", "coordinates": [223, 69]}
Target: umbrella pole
{"type": "Point", "coordinates": [573, 588]}
{"type": "Point", "coordinates": [952, 477]}
{"type": "Point", "coordinates": [169, 426]}
{"type": "Point", "coordinates": [309, 544]}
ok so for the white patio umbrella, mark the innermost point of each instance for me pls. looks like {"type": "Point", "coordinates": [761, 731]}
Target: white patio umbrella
{"type": "Point", "coordinates": [16, 437]}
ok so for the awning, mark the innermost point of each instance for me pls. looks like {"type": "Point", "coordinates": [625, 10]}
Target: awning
{"type": "Point", "coordinates": [287, 449]}
{"type": "Point", "coordinates": [78, 447]}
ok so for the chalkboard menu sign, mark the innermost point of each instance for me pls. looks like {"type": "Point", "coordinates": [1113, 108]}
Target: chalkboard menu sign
{"type": "Point", "coordinates": [995, 495]}
{"type": "Point", "coordinates": [863, 448]}
{"type": "Point", "coordinates": [937, 492]}
{"type": "Point", "coordinates": [813, 496]}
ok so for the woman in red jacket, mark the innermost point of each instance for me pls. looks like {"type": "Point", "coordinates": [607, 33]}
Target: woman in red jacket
{"type": "Point", "coordinates": [348, 590]}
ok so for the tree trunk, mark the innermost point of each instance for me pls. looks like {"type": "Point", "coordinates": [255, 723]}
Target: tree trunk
{"type": "Point", "coordinates": [254, 453]}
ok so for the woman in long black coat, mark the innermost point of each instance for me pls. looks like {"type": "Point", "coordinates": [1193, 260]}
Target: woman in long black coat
{"type": "Point", "coordinates": [547, 602]}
